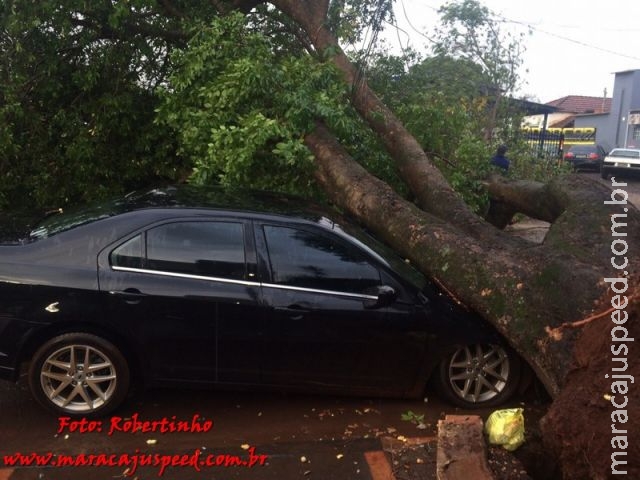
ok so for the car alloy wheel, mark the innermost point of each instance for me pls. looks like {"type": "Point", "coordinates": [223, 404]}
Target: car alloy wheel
{"type": "Point", "coordinates": [479, 375]}
{"type": "Point", "coordinates": [80, 375]}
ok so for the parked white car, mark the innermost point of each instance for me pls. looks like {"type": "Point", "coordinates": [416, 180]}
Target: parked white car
{"type": "Point", "coordinates": [621, 161]}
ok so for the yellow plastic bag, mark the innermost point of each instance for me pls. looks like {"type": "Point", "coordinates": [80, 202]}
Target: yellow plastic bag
{"type": "Point", "coordinates": [506, 428]}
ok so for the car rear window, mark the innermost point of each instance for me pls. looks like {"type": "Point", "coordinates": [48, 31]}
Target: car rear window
{"type": "Point", "coordinates": [583, 149]}
{"type": "Point", "coordinates": [213, 249]}
{"type": "Point", "coordinates": [61, 220]}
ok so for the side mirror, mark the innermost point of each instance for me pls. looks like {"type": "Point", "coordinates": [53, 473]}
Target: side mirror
{"type": "Point", "coordinates": [382, 296]}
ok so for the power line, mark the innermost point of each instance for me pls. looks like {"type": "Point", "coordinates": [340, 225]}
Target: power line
{"type": "Point", "coordinates": [406, 17]}
{"type": "Point", "coordinates": [567, 39]}
{"type": "Point", "coordinates": [533, 27]}
{"type": "Point", "coordinates": [581, 27]}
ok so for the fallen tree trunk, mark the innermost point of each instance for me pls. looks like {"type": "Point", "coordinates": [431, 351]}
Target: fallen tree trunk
{"type": "Point", "coordinates": [534, 294]}
{"type": "Point", "coordinates": [524, 290]}
{"type": "Point", "coordinates": [527, 292]}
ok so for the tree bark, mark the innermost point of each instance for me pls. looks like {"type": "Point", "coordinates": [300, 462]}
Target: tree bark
{"type": "Point", "coordinates": [529, 293]}
{"type": "Point", "coordinates": [521, 289]}
{"type": "Point", "coordinates": [525, 291]}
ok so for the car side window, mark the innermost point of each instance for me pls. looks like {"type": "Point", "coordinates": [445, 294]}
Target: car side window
{"type": "Point", "coordinates": [301, 258]}
{"type": "Point", "coordinates": [130, 254]}
{"type": "Point", "coordinates": [201, 248]}
{"type": "Point", "coordinates": [212, 249]}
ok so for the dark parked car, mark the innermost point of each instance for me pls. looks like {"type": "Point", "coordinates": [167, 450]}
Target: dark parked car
{"type": "Point", "coordinates": [588, 157]}
{"type": "Point", "coordinates": [188, 286]}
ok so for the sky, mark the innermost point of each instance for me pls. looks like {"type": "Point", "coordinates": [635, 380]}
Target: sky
{"type": "Point", "coordinates": [575, 47]}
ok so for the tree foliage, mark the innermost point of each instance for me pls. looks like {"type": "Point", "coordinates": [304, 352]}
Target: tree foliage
{"type": "Point", "coordinates": [471, 31]}
{"type": "Point", "coordinates": [236, 111]}
{"type": "Point", "coordinates": [77, 102]}
{"type": "Point", "coordinates": [92, 103]}
{"type": "Point", "coordinates": [103, 97]}
{"type": "Point", "coordinates": [437, 100]}
{"type": "Point", "coordinates": [352, 20]}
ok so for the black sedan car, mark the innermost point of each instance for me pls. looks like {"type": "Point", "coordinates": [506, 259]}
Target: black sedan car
{"type": "Point", "coordinates": [585, 157]}
{"type": "Point", "coordinates": [187, 286]}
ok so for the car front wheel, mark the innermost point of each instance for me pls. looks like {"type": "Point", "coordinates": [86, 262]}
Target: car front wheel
{"type": "Point", "coordinates": [79, 374]}
{"type": "Point", "coordinates": [480, 375]}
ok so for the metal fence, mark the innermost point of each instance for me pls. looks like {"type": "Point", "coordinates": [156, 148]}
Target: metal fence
{"type": "Point", "coordinates": [553, 142]}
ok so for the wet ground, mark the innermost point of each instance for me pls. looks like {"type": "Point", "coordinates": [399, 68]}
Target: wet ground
{"type": "Point", "coordinates": [285, 436]}
{"type": "Point", "coordinates": [632, 186]}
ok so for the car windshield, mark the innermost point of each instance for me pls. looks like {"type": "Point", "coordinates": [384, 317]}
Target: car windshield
{"type": "Point", "coordinates": [625, 153]}
{"type": "Point", "coordinates": [384, 253]}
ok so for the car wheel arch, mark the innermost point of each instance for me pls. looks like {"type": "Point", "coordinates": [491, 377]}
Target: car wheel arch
{"type": "Point", "coordinates": [44, 335]}
{"type": "Point", "coordinates": [79, 374]}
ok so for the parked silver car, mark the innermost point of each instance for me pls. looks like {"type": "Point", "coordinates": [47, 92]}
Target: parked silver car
{"type": "Point", "coordinates": [621, 161]}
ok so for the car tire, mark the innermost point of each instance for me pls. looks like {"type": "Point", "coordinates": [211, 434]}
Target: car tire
{"type": "Point", "coordinates": [479, 375]}
{"type": "Point", "coordinates": [80, 375]}
{"type": "Point", "coordinates": [603, 173]}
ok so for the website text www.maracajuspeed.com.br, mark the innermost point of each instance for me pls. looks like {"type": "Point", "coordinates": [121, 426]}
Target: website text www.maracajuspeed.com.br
{"type": "Point", "coordinates": [132, 461]}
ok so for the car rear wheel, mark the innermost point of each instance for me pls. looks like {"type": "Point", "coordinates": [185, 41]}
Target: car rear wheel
{"type": "Point", "coordinates": [79, 374]}
{"type": "Point", "coordinates": [480, 375]}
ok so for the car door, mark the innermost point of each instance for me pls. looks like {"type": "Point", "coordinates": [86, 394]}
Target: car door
{"type": "Point", "coordinates": [318, 331]}
{"type": "Point", "coordinates": [184, 290]}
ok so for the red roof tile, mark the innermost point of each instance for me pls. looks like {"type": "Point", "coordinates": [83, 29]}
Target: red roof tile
{"type": "Point", "coordinates": [580, 104]}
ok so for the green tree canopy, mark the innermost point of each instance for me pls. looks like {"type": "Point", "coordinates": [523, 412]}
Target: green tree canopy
{"type": "Point", "coordinates": [78, 87]}
{"type": "Point", "coordinates": [103, 97]}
